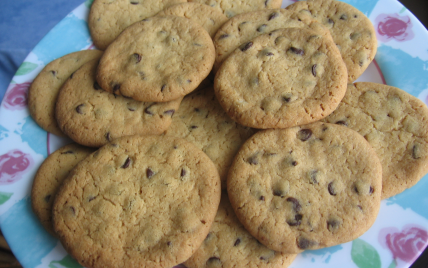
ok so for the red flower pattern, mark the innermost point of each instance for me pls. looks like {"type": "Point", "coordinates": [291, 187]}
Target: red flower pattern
{"type": "Point", "coordinates": [394, 26]}
{"type": "Point", "coordinates": [16, 97]}
{"type": "Point", "coordinates": [12, 165]}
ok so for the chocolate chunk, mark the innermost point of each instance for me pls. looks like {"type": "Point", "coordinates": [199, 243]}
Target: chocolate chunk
{"type": "Point", "coordinates": [342, 122]}
{"type": "Point", "coordinates": [134, 3]}
{"type": "Point", "coordinates": [304, 134]}
{"type": "Point", "coordinates": [296, 221]}
{"type": "Point", "coordinates": [127, 163]}
{"type": "Point", "coordinates": [108, 136]}
{"type": "Point", "coordinates": [163, 87]}
{"type": "Point", "coordinates": [296, 205]}
{"type": "Point", "coordinates": [91, 198]}
{"type": "Point", "coordinates": [169, 243]}
{"type": "Point", "coordinates": [68, 152]}
{"type": "Point", "coordinates": [286, 98]}
{"type": "Point", "coordinates": [344, 17]}
{"type": "Point", "coordinates": [330, 21]}
{"type": "Point", "coordinates": [262, 198]}
{"type": "Point", "coordinates": [53, 73]}
{"type": "Point", "coordinates": [170, 112]}
{"type": "Point", "coordinates": [314, 70]}
{"type": "Point", "coordinates": [261, 28]}
{"type": "Point", "coordinates": [416, 154]}
{"type": "Point", "coordinates": [313, 174]}
{"type": "Point", "coordinates": [137, 57]}
{"type": "Point", "coordinates": [183, 172]}
{"type": "Point", "coordinates": [79, 108]}
{"type": "Point", "coordinates": [273, 15]}
{"type": "Point", "coordinates": [297, 51]}
{"type": "Point", "coordinates": [213, 259]}
{"type": "Point", "coordinates": [269, 54]}
{"type": "Point", "coordinates": [237, 242]}
{"type": "Point", "coordinates": [116, 87]}
{"type": "Point", "coordinates": [223, 36]}
{"type": "Point", "coordinates": [371, 190]}
{"type": "Point", "coordinates": [331, 189]}
{"type": "Point", "coordinates": [149, 173]}
{"type": "Point", "coordinates": [304, 243]}
{"type": "Point", "coordinates": [194, 127]}
{"type": "Point", "coordinates": [333, 224]}
{"type": "Point", "coordinates": [277, 192]}
{"type": "Point", "coordinates": [246, 46]}
{"type": "Point", "coordinates": [294, 163]}
{"type": "Point", "coordinates": [253, 160]}
{"type": "Point", "coordinates": [47, 198]}
{"type": "Point", "coordinates": [147, 111]}
{"type": "Point", "coordinates": [96, 86]}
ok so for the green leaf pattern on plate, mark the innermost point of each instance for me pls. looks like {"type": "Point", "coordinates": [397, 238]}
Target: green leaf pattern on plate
{"type": "Point", "coordinates": [364, 255]}
{"type": "Point", "coordinates": [4, 197]}
{"type": "Point", "coordinates": [67, 262]}
{"type": "Point", "coordinates": [393, 264]}
{"type": "Point", "coordinates": [26, 67]}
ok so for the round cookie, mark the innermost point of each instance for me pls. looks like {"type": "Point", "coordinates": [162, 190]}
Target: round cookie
{"type": "Point", "coordinates": [245, 27]}
{"type": "Point", "coordinates": [306, 187]}
{"type": "Point", "coordinates": [201, 120]}
{"type": "Point", "coordinates": [108, 18]}
{"type": "Point", "coordinates": [286, 78]}
{"type": "Point", "coordinates": [53, 171]}
{"type": "Point", "coordinates": [44, 89]}
{"type": "Point", "coordinates": [351, 30]}
{"type": "Point", "coordinates": [229, 245]}
{"type": "Point", "coordinates": [92, 117]}
{"type": "Point", "coordinates": [395, 124]}
{"type": "Point", "coordinates": [142, 201]}
{"type": "Point", "coordinates": [231, 8]}
{"type": "Point", "coordinates": [160, 59]}
{"type": "Point", "coordinates": [208, 17]}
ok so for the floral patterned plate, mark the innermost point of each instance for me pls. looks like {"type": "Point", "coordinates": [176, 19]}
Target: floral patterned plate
{"type": "Point", "coordinates": [396, 239]}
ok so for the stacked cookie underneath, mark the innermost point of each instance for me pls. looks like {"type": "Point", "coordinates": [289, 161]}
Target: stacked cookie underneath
{"type": "Point", "coordinates": [220, 134]}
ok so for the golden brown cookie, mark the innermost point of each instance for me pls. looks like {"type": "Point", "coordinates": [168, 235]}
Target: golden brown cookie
{"type": "Point", "coordinates": [140, 201]}
{"type": "Point", "coordinates": [395, 124]}
{"type": "Point", "coordinates": [306, 187]}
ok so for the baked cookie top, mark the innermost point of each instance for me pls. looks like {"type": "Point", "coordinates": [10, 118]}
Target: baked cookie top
{"type": "Point", "coordinates": [201, 120]}
{"type": "Point", "coordinates": [245, 27]}
{"type": "Point", "coordinates": [306, 187]}
{"type": "Point", "coordinates": [351, 30]}
{"type": "Point", "coordinates": [231, 8]}
{"type": "Point", "coordinates": [161, 58]}
{"type": "Point", "coordinates": [53, 171]}
{"type": "Point", "coordinates": [141, 201]}
{"type": "Point", "coordinates": [228, 244]}
{"type": "Point", "coordinates": [208, 17]}
{"type": "Point", "coordinates": [93, 117]}
{"type": "Point", "coordinates": [43, 91]}
{"type": "Point", "coordinates": [108, 18]}
{"type": "Point", "coordinates": [282, 79]}
{"type": "Point", "coordinates": [395, 124]}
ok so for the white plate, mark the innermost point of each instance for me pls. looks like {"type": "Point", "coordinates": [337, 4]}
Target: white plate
{"type": "Point", "coordinates": [396, 239]}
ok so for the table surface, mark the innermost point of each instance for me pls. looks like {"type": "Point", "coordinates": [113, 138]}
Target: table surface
{"type": "Point", "coordinates": [22, 26]}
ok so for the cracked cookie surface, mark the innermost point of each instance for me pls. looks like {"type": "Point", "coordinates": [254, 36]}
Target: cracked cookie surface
{"type": "Point", "coordinates": [350, 29]}
{"type": "Point", "coordinates": [306, 187]}
{"type": "Point", "coordinates": [282, 79]}
{"type": "Point", "coordinates": [161, 58]}
{"type": "Point", "coordinates": [93, 117]}
{"type": "Point", "coordinates": [395, 123]}
{"type": "Point", "coordinates": [53, 171]}
{"type": "Point", "coordinates": [44, 90]}
{"type": "Point", "coordinates": [201, 120]}
{"type": "Point", "coordinates": [108, 18]}
{"type": "Point", "coordinates": [228, 244]}
{"type": "Point", "coordinates": [141, 201]}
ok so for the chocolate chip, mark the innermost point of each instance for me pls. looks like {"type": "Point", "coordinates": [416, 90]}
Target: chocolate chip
{"type": "Point", "coordinates": [360, 63]}
{"type": "Point", "coordinates": [331, 189]}
{"type": "Point", "coordinates": [79, 108]}
{"type": "Point", "coordinates": [170, 112]}
{"type": "Point", "coordinates": [261, 28]}
{"type": "Point", "coordinates": [183, 172]}
{"type": "Point", "coordinates": [286, 98]}
{"type": "Point", "coordinates": [294, 163]}
{"type": "Point", "coordinates": [267, 2]}
{"type": "Point", "coordinates": [314, 70]}
{"type": "Point", "coordinates": [313, 176]}
{"type": "Point", "coordinates": [344, 17]}
{"type": "Point", "coordinates": [304, 243]}
{"type": "Point", "coordinates": [147, 111]}
{"type": "Point", "coordinates": [297, 51]}
{"type": "Point", "coordinates": [304, 134]}
{"type": "Point", "coordinates": [91, 198]}
{"type": "Point", "coordinates": [47, 198]}
{"type": "Point", "coordinates": [137, 57]}
{"type": "Point", "coordinates": [262, 198]}
{"type": "Point", "coordinates": [296, 221]}
{"type": "Point", "coordinates": [213, 259]}
{"type": "Point", "coordinates": [149, 173]}
{"type": "Point", "coordinates": [296, 205]}
{"type": "Point", "coordinates": [116, 87]}
{"type": "Point", "coordinates": [262, 258]}
{"type": "Point", "coordinates": [146, 19]}
{"type": "Point", "coordinates": [127, 163]}
{"type": "Point", "coordinates": [169, 243]}
{"type": "Point", "coordinates": [342, 122]}
{"type": "Point", "coordinates": [223, 36]}
{"type": "Point", "coordinates": [96, 86]}
{"type": "Point", "coordinates": [163, 87]}
{"type": "Point", "coordinates": [269, 54]}
{"type": "Point", "coordinates": [134, 3]}
{"type": "Point", "coordinates": [108, 136]}
{"type": "Point", "coordinates": [131, 109]}
{"type": "Point", "coordinates": [416, 152]}
{"type": "Point", "coordinates": [246, 46]}
{"type": "Point", "coordinates": [253, 160]}
{"type": "Point", "coordinates": [330, 21]}
{"type": "Point", "coordinates": [71, 75]}
{"type": "Point", "coordinates": [194, 127]}
{"type": "Point", "coordinates": [68, 152]}
{"type": "Point", "coordinates": [73, 210]}
{"type": "Point", "coordinates": [371, 190]}
{"type": "Point", "coordinates": [53, 73]}
{"type": "Point", "coordinates": [273, 15]}
{"type": "Point", "coordinates": [237, 242]}
{"type": "Point", "coordinates": [277, 192]}
{"type": "Point", "coordinates": [333, 224]}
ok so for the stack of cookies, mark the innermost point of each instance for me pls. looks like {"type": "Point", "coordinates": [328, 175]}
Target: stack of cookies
{"type": "Point", "coordinates": [220, 134]}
